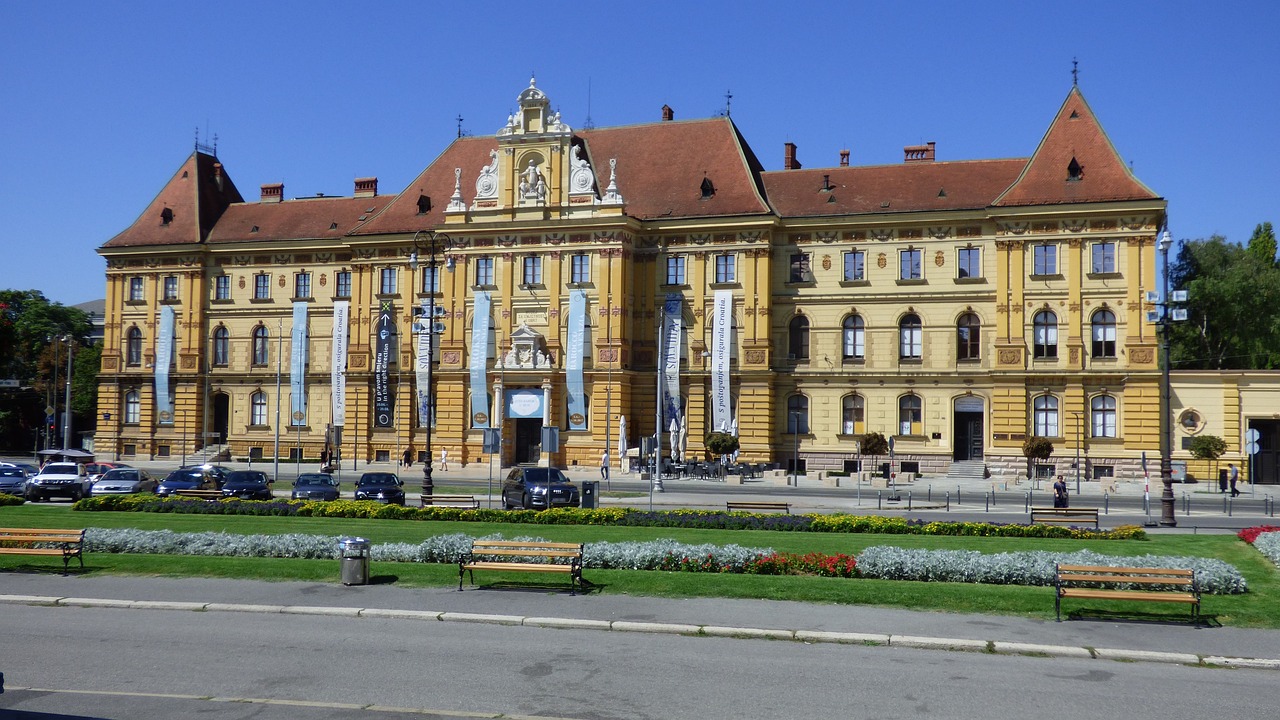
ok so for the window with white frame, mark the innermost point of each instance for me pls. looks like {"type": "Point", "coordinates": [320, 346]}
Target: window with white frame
{"type": "Point", "coordinates": [853, 415]}
{"type": "Point", "coordinates": [222, 287]}
{"type": "Point", "coordinates": [726, 268]}
{"type": "Point", "coordinates": [260, 345]}
{"type": "Point", "coordinates": [853, 338]}
{"type": "Point", "coordinates": [302, 285]}
{"type": "Point", "coordinates": [532, 271]}
{"type": "Point", "coordinates": [170, 287]}
{"type": "Point", "coordinates": [387, 286]}
{"type": "Point", "coordinates": [1045, 415]}
{"type": "Point", "coordinates": [132, 408]}
{"type": "Point", "coordinates": [137, 290]}
{"type": "Point", "coordinates": [1102, 410]}
{"type": "Point", "coordinates": [969, 262]}
{"type": "Point", "coordinates": [911, 264]}
{"type": "Point", "coordinates": [221, 346]}
{"type": "Point", "coordinates": [910, 415]}
{"type": "Point", "coordinates": [580, 268]}
{"type": "Point", "coordinates": [1104, 257]}
{"type": "Point", "coordinates": [855, 265]}
{"type": "Point", "coordinates": [1044, 329]}
{"type": "Point", "coordinates": [258, 408]}
{"type": "Point", "coordinates": [261, 286]}
{"type": "Point", "coordinates": [430, 280]}
{"type": "Point", "coordinates": [968, 337]}
{"type": "Point", "coordinates": [342, 284]}
{"type": "Point", "coordinates": [798, 415]}
{"type": "Point", "coordinates": [133, 347]}
{"type": "Point", "coordinates": [1104, 334]}
{"type": "Point", "coordinates": [1044, 260]}
{"type": "Point", "coordinates": [484, 271]}
{"type": "Point", "coordinates": [910, 337]}
{"type": "Point", "coordinates": [800, 270]}
{"type": "Point", "coordinates": [675, 270]}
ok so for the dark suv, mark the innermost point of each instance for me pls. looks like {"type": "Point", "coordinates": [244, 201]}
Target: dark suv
{"type": "Point", "coordinates": [538, 488]}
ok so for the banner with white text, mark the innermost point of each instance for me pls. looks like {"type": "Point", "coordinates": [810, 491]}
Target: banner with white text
{"type": "Point", "coordinates": [573, 363]}
{"type": "Point", "coordinates": [164, 357]}
{"type": "Point", "coordinates": [479, 361]}
{"type": "Point", "coordinates": [672, 331]}
{"type": "Point", "coordinates": [721, 347]}
{"type": "Point", "coordinates": [298, 365]}
{"type": "Point", "coordinates": [338, 365]}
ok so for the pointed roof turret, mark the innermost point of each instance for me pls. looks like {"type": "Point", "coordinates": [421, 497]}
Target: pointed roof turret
{"type": "Point", "coordinates": [186, 209]}
{"type": "Point", "coordinates": [1074, 163]}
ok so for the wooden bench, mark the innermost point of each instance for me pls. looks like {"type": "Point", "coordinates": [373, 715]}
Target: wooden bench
{"type": "Point", "coordinates": [754, 506]}
{"type": "Point", "coordinates": [525, 557]}
{"type": "Point", "coordinates": [36, 541]}
{"type": "Point", "coordinates": [1097, 582]}
{"type": "Point", "coordinates": [1064, 516]}
{"type": "Point", "coordinates": [202, 494]}
{"type": "Point", "coordinates": [468, 501]}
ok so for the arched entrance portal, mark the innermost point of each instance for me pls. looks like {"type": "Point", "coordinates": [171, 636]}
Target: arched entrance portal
{"type": "Point", "coordinates": [221, 418]}
{"type": "Point", "coordinates": [968, 430]}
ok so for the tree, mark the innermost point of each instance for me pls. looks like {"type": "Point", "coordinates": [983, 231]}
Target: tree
{"type": "Point", "coordinates": [1036, 448]}
{"type": "Point", "coordinates": [721, 444]}
{"type": "Point", "coordinates": [1208, 447]}
{"type": "Point", "coordinates": [875, 445]}
{"type": "Point", "coordinates": [29, 322]}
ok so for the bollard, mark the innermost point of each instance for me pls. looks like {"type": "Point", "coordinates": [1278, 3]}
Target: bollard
{"type": "Point", "coordinates": [1026, 502]}
{"type": "Point", "coordinates": [957, 494]}
{"type": "Point", "coordinates": [879, 502]}
{"type": "Point", "coordinates": [948, 501]}
{"type": "Point", "coordinates": [1224, 504]}
{"type": "Point", "coordinates": [987, 497]}
{"type": "Point", "coordinates": [1187, 499]}
{"type": "Point", "coordinates": [1106, 503]}
{"type": "Point", "coordinates": [929, 494]}
{"type": "Point", "coordinates": [908, 499]}
{"type": "Point", "coordinates": [1231, 505]}
{"type": "Point", "coordinates": [993, 497]}
{"type": "Point", "coordinates": [859, 494]}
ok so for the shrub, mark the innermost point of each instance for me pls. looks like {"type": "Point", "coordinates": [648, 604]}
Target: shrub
{"type": "Point", "coordinates": [6, 499]}
{"type": "Point", "coordinates": [1268, 544]}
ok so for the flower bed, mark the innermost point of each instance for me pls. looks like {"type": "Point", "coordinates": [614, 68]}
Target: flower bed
{"type": "Point", "coordinates": [689, 519]}
{"type": "Point", "coordinates": [1266, 539]}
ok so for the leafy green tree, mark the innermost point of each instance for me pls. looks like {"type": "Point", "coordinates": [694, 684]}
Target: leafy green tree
{"type": "Point", "coordinates": [875, 445]}
{"type": "Point", "coordinates": [29, 324]}
{"type": "Point", "coordinates": [719, 443]}
{"type": "Point", "coordinates": [1036, 448]}
{"type": "Point", "coordinates": [1262, 244]}
{"type": "Point", "coordinates": [1208, 447]}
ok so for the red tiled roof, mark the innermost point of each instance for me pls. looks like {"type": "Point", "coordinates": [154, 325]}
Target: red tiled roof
{"type": "Point", "coordinates": [910, 187]}
{"type": "Point", "coordinates": [304, 218]}
{"type": "Point", "coordinates": [661, 167]}
{"type": "Point", "coordinates": [197, 194]}
{"type": "Point", "coordinates": [1075, 133]}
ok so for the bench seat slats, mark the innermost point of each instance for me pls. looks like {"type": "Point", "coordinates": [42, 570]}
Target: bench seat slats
{"type": "Point", "coordinates": [1139, 595]}
{"type": "Point", "coordinates": [520, 567]}
{"type": "Point", "coordinates": [1169, 585]}
{"type": "Point", "coordinates": [733, 505]}
{"type": "Point", "coordinates": [548, 557]}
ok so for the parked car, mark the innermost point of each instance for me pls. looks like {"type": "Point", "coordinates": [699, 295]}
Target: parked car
{"type": "Point", "coordinates": [123, 481]}
{"type": "Point", "coordinates": [58, 479]}
{"type": "Point", "coordinates": [30, 469]}
{"type": "Point", "coordinates": [96, 470]}
{"type": "Point", "coordinates": [383, 487]}
{"type": "Point", "coordinates": [13, 481]}
{"type": "Point", "coordinates": [191, 478]}
{"type": "Point", "coordinates": [218, 472]}
{"type": "Point", "coordinates": [248, 485]}
{"type": "Point", "coordinates": [315, 486]}
{"type": "Point", "coordinates": [538, 488]}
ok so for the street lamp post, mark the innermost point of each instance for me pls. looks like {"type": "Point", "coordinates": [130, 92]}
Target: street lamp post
{"type": "Point", "coordinates": [432, 243]}
{"type": "Point", "coordinates": [1167, 518]}
{"type": "Point", "coordinates": [795, 450]}
{"type": "Point", "coordinates": [1079, 440]}
{"type": "Point", "coordinates": [66, 405]}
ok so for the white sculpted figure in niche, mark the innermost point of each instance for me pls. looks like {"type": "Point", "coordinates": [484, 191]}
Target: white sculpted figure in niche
{"type": "Point", "coordinates": [540, 359]}
{"type": "Point", "coordinates": [532, 184]}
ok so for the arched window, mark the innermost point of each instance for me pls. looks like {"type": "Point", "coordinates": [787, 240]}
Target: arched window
{"type": "Point", "coordinates": [910, 415]}
{"type": "Point", "coordinates": [133, 347]}
{"type": "Point", "coordinates": [260, 345]}
{"type": "Point", "coordinates": [853, 415]}
{"type": "Point", "coordinates": [968, 337]}
{"type": "Point", "coordinates": [1045, 412]}
{"type": "Point", "coordinates": [1104, 334]}
{"type": "Point", "coordinates": [1045, 335]}
{"type": "Point", "coordinates": [132, 408]}
{"type": "Point", "coordinates": [854, 333]}
{"type": "Point", "coordinates": [258, 408]}
{"type": "Point", "coordinates": [798, 338]}
{"type": "Point", "coordinates": [1102, 410]}
{"type": "Point", "coordinates": [221, 346]}
{"type": "Point", "coordinates": [798, 414]}
{"type": "Point", "coordinates": [910, 337]}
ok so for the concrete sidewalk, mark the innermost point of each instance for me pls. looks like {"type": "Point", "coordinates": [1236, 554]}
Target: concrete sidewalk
{"type": "Point", "coordinates": [1165, 642]}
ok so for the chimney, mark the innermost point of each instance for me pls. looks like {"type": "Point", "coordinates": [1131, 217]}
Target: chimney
{"type": "Point", "coordinates": [272, 193]}
{"type": "Point", "coordinates": [668, 114]}
{"type": "Point", "coordinates": [366, 187]}
{"type": "Point", "coordinates": [217, 175]}
{"type": "Point", "coordinates": [789, 161]}
{"type": "Point", "coordinates": [918, 153]}
{"type": "Point", "coordinates": [844, 158]}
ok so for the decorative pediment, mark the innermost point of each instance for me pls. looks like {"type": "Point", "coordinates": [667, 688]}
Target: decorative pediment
{"type": "Point", "coordinates": [528, 351]}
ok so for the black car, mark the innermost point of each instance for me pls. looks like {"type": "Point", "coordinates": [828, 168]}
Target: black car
{"type": "Point", "coordinates": [247, 485]}
{"type": "Point", "coordinates": [383, 487]}
{"type": "Point", "coordinates": [218, 472]}
{"type": "Point", "coordinates": [315, 486]}
{"type": "Point", "coordinates": [192, 478]}
{"type": "Point", "coordinates": [538, 488]}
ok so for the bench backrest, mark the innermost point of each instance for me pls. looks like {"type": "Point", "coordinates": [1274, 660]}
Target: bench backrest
{"type": "Point", "coordinates": [480, 546]}
{"type": "Point", "coordinates": [1172, 573]}
{"type": "Point", "coordinates": [41, 534]}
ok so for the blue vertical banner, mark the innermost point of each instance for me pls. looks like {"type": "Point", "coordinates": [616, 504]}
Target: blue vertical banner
{"type": "Point", "coordinates": [480, 361]}
{"type": "Point", "coordinates": [721, 347]}
{"type": "Point", "coordinates": [164, 357]}
{"type": "Point", "coordinates": [573, 363]}
{"type": "Point", "coordinates": [383, 404]}
{"type": "Point", "coordinates": [673, 331]}
{"type": "Point", "coordinates": [298, 365]}
{"type": "Point", "coordinates": [338, 371]}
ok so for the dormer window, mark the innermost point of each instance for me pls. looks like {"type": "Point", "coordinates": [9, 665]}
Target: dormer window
{"type": "Point", "coordinates": [166, 216]}
{"type": "Point", "coordinates": [708, 190]}
{"type": "Point", "coordinates": [1075, 172]}
{"type": "Point", "coordinates": [424, 204]}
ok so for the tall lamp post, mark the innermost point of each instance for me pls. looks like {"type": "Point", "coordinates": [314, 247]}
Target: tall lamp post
{"type": "Point", "coordinates": [1079, 416]}
{"type": "Point", "coordinates": [1167, 518]}
{"type": "Point", "coordinates": [431, 243]}
{"type": "Point", "coordinates": [795, 450]}
{"type": "Point", "coordinates": [66, 405]}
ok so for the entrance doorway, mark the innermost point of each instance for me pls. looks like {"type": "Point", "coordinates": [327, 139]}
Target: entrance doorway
{"type": "Point", "coordinates": [1266, 464]}
{"type": "Point", "coordinates": [968, 431]}
{"type": "Point", "coordinates": [221, 418]}
{"type": "Point", "coordinates": [528, 448]}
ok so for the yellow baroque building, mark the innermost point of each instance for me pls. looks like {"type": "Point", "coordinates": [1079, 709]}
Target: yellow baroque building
{"type": "Point", "coordinates": [955, 306]}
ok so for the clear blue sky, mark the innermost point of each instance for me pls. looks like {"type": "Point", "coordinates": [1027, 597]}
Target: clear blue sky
{"type": "Point", "coordinates": [99, 102]}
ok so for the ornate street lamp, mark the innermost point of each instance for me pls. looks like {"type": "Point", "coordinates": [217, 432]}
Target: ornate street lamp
{"type": "Point", "coordinates": [1167, 518]}
{"type": "Point", "coordinates": [432, 243]}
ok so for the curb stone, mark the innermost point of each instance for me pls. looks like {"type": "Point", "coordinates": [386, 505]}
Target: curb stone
{"type": "Point", "coordinates": [1018, 648]}
{"type": "Point", "coordinates": [1175, 658]}
{"type": "Point", "coordinates": [653, 627]}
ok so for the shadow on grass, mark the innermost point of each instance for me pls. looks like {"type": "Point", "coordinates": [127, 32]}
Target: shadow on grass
{"type": "Point", "coordinates": [48, 570]}
{"type": "Point", "coordinates": [1144, 618]}
{"type": "Point", "coordinates": [587, 588]}
{"type": "Point", "coordinates": [383, 579]}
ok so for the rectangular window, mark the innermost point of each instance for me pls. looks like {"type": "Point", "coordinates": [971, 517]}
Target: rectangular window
{"type": "Point", "coordinates": [726, 268]}
{"type": "Point", "coordinates": [343, 289]}
{"type": "Point", "coordinates": [261, 286]}
{"type": "Point", "coordinates": [484, 271]}
{"type": "Point", "coordinates": [532, 271]}
{"type": "Point", "coordinates": [910, 264]}
{"type": "Point", "coordinates": [388, 284]}
{"type": "Point", "coordinates": [1104, 257]}
{"type": "Point", "coordinates": [800, 269]}
{"type": "Point", "coordinates": [136, 291]}
{"type": "Point", "coordinates": [222, 287]}
{"type": "Point", "coordinates": [580, 268]}
{"type": "Point", "coordinates": [675, 270]}
{"type": "Point", "coordinates": [1045, 260]}
{"type": "Point", "coordinates": [969, 263]}
{"type": "Point", "coordinates": [170, 287]}
{"type": "Point", "coordinates": [1101, 472]}
{"type": "Point", "coordinates": [430, 280]}
{"type": "Point", "coordinates": [302, 285]}
{"type": "Point", "coordinates": [855, 267]}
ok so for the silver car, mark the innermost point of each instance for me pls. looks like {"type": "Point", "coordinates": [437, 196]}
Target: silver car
{"type": "Point", "coordinates": [123, 481]}
{"type": "Point", "coordinates": [13, 481]}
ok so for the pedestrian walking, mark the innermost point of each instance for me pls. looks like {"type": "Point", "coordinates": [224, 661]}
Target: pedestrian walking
{"type": "Point", "coordinates": [1233, 475]}
{"type": "Point", "coordinates": [1060, 493]}
{"type": "Point", "coordinates": [604, 465]}
{"type": "Point", "coordinates": [444, 458]}
{"type": "Point", "coordinates": [408, 457]}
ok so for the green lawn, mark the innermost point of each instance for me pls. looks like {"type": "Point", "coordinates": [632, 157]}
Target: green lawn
{"type": "Point", "coordinates": [1254, 609]}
